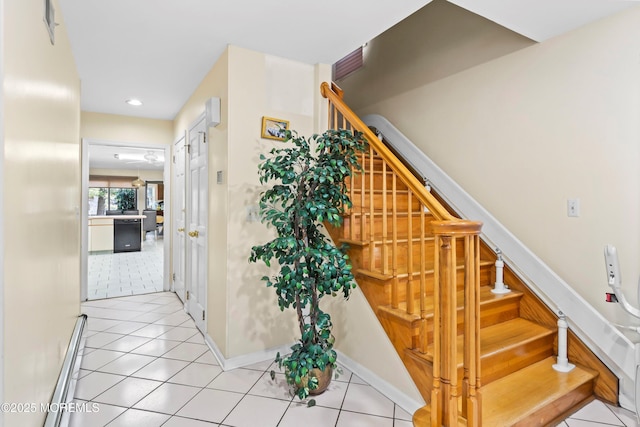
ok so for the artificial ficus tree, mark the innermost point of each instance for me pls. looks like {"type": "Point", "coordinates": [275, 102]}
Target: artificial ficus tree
{"type": "Point", "coordinates": [308, 187]}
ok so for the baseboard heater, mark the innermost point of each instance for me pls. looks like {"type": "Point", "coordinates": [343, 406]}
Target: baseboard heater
{"type": "Point", "coordinates": [61, 393]}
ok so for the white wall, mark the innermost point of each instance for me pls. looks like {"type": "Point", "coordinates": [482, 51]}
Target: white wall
{"type": "Point", "coordinates": [525, 132]}
{"type": "Point", "coordinates": [41, 190]}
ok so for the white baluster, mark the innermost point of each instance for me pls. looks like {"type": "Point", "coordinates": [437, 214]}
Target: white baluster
{"type": "Point", "coordinates": [499, 286]}
{"type": "Point", "coordinates": [562, 364]}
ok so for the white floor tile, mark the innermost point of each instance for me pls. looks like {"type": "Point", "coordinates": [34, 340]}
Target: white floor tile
{"type": "Point", "coordinates": [186, 351]}
{"type": "Point", "coordinates": [260, 366]}
{"type": "Point", "coordinates": [627, 417]}
{"type": "Point", "coordinates": [126, 327]}
{"type": "Point", "coordinates": [127, 364]}
{"type": "Point", "coordinates": [201, 407]}
{"type": "Point", "coordinates": [134, 417]}
{"type": "Point", "coordinates": [167, 399]}
{"type": "Point", "coordinates": [196, 375]}
{"type": "Point", "coordinates": [94, 324]}
{"type": "Point", "coordinates": [98, 358]}
{"type": "Point", "coordinates": [152, 331]}
{"type": "Point", "coordinates": [161, 369]}
{"type": "Point", "coordinates": [299, 414]}
{"type": "Point", "coordinates": [208, 358]}
{"type": "Point", "coordinates": [257, 411]}
{"type": "Point", "coordinates": [101, 339]}
{"type": "Point", "coordinates": [352, 419]}
{"type": "Point", "coordinates": [333, 397]}
{"type": "Point", "coordinates": [126, 343]}
{"type": "Point", "coordinates": [156, 347]}
{"type": "Point", "coordinates": [367, 400]}
{"type": "Point", "coordinates": [94, 384]}
{"type": "Point", "coordinates": [276, 388]}
{"type": "Point", "coordinates": [402, 423]}
{"type": "Point", "coordinates": [102, 417]}
{"type": "Point", "coordinates": [178, 334]}
{"type": "Point", "coordinates": [237, 380]}
{"type": "Point", "coordinates": [343, 374]}
{"type": "Point", "coordinates": [187, 422]}
{"type": "Point", "coordinates": [174, 319]}
{"type": "Point", "coordinates": [597, 411]}
{"type": "Point", "coordinates": [128, 392]}
{"type": "Point", "coordinates": [401, 414]}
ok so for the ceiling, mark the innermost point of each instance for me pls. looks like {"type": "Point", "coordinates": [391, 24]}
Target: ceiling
{"type": "Point", "coordinates": [159, 50]}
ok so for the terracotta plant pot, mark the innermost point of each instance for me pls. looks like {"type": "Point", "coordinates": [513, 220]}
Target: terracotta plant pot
{"type": "Point", "coordinates": [324, 378]}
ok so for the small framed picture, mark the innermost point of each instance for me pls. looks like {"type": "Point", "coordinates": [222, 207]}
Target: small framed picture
{"type": "Point", "coordinates": [274, 128]}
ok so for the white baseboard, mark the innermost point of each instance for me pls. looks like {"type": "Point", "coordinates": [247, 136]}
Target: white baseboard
{"type": "Point", "coordinates": [402, 400]}
{"type": "Point", "coordinates": [245, 359]}
{"type": "Point", "coordinates": [399, 398]}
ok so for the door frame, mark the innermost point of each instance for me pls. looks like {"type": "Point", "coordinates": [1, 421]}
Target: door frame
{"type": "Point", "coordinates": [84, 214]}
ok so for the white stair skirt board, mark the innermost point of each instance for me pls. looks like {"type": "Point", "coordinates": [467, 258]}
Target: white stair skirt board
{"type": "Point", "coordinates": [601, 336]}
{"type": "Point", "coordinates": [408, 404]}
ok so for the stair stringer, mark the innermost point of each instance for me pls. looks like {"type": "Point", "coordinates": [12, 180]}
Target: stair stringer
{"type": "Point", "coordinates": [593, 332]}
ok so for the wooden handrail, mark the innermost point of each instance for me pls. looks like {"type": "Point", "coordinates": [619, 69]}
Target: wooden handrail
{"type": "Point", "coordinates": [409, 179]}
{"type": "Point", "coordinates": [381, 236]}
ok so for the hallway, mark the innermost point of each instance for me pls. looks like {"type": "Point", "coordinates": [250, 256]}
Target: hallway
{"type": "Point", "coordinates": [127, 273]}
{"type": "Point", "coordinates": [145, 364]}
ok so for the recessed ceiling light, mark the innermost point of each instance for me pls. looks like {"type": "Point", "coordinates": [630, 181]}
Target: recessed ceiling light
{"type": "Point", "coordinates": [134, 102]}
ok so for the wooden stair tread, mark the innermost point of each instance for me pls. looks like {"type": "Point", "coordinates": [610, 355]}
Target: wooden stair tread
{"type": "Point", "coordinates": [496, 338]}
{"type": "Point", "coordinates": [486, 297]}
{"type": "Point", "coordinates": [515, 397]}
{"type": "Point", "coordinates": [532, 396]}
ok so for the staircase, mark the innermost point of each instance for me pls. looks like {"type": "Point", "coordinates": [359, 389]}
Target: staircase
{"type": "Point", "coordinates": [478, 358]}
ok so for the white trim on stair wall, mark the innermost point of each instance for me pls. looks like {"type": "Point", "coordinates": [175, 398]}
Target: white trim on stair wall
{"type": "Point", "coordinates": [600, 335]}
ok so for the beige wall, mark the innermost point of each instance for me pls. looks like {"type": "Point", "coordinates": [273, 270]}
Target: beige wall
{"type": "Point", "coordinates": [112, 127]}
{"type": "Point", "coordinates": [525, 132]}
{"type": "Point", "coordinates": [437, 41]}
{"type": "Point", "coordinates": [215, 83]}
{"type": "Point", "coordinates": [243, 314]}
{"type": "Point", "coordinates": [41, 218]}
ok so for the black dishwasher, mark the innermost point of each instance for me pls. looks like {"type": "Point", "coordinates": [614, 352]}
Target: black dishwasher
{"type": "Point", "coordinates": [126, 235]}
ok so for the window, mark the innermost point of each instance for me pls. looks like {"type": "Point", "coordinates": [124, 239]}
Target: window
{"type": "Point", "coordinates": [111, 193]}
{"type": "Point", "coordinates": [102, 199]}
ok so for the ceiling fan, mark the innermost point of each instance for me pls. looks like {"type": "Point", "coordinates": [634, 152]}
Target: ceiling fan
{"type": "Point", "coordinates": [133, 158]}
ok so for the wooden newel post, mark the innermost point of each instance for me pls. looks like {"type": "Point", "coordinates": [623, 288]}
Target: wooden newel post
{"type": "Point", "coordinates": [447, 389]}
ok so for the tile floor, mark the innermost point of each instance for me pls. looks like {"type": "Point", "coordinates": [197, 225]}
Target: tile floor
{"type": "Point", "coordinates": [126, 273]}
{"type": "Point", "coordinates": [145, 364]}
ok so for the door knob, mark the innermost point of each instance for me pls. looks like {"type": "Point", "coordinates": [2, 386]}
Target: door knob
{"type": "Point", "coordinates": [194, 233]}
{"type": "Point", "coordinates": [180, 230]}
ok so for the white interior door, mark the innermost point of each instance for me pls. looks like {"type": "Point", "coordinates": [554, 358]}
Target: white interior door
{"type": "Point", "coordinates": [179, 219]}
{"type": "Point", "coordinates": [197, 223]}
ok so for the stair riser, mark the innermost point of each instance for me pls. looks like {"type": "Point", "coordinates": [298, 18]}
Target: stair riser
{"type": "Point", "coordinates": [402, 255]}
{"type": "Point", "coordinates": [353, 222]}
{"type": "Point", "coordinates": [555, 411]}
{"type": "Point", "coordinates": [491, 313]}
{"type": "Point", "coordinates": [508, 361]}
{"type": "Point", "coordinates": [401, 204]}
{"type": "Point", "coordinates": [378, 179]}
{"type": "Point", "coordinates": [386, 286]}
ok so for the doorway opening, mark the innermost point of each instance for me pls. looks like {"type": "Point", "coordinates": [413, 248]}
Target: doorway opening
{"type": "Point", "coordinates": [125, 250]}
